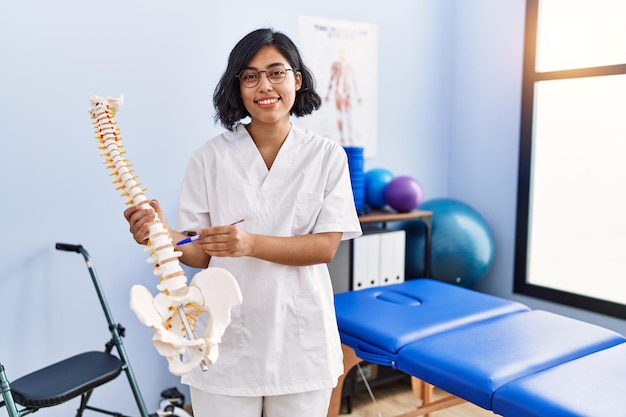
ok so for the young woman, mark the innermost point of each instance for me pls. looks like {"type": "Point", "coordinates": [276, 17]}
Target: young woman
{"type": "Point", "coordinates": [281, 355]}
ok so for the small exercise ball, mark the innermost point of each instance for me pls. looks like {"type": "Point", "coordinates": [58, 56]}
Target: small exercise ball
{"type": "Point", "coordinates": [404, 194]}
{"type": "Point", "coordinates": [376, 181]}
{"type": "Point", "coordinates": [462, 245]}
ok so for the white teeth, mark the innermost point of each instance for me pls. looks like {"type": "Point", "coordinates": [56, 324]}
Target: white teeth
{"type": "Point", "coordinates": [268, 101]}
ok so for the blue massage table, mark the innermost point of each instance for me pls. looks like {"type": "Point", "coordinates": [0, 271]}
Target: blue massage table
{"type": "Point", "coordinates": [495, 353]}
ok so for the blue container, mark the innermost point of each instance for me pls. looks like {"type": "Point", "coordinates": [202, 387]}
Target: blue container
{"type": "Point", "coordinates": [357, 176]}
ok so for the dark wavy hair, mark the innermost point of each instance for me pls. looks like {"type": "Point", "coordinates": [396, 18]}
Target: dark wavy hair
{"type": "Point", "coordinates": [227, 97]}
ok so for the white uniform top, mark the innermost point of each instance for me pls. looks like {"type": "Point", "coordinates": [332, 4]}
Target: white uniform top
{"type": "Point", "coordinates": [283, 338]}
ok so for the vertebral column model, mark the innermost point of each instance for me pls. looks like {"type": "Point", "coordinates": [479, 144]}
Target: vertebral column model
{"type": "Point", "coordinates": [172, 313]}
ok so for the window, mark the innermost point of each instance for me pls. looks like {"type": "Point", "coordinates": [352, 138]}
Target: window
{"type": "Point", "coordinates": [571, 214]}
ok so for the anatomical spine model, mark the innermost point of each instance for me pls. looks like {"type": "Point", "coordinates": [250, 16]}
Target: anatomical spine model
{"type": "Point", "coordinates": [173, 312]}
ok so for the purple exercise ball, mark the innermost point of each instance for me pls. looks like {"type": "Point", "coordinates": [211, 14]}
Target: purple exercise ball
{"type": "Point", "coordinates": [404, 194]}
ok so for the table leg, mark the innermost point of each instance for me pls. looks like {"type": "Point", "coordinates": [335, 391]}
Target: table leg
{"type": "Point", "coordinates": [350, 359]}
{"type": "Point", "coordinates": [428, 223]}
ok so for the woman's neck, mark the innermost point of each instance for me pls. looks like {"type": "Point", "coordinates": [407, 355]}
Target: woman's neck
{"type": "Point", "coordinates": [268, 139]}
{"type": "Point", "coordinates": [268, 134]}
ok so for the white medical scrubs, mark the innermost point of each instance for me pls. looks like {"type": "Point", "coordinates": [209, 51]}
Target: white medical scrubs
{"type": "Point", "coordinates": [283, 339]}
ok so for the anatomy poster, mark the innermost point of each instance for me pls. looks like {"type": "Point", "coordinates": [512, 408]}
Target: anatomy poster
{"type": "Point", "coordinates": [343, 58]}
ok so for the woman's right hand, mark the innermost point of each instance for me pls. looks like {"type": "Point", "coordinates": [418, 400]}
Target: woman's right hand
{"type": "Point", "coordinates": [140, 219]}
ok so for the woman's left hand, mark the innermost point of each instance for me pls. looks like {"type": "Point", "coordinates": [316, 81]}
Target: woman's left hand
{"type": "Point", "coordinates": [228, 240]}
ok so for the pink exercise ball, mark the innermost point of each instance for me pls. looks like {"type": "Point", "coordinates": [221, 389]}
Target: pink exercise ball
{"type": "Point", "coordinates": [404, 194]}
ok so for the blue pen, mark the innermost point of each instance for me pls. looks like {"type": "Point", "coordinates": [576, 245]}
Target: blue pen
{"type": "Point", "coordinates": [188, 240]}
{"type": "Point", "coordinates": [197, 237]}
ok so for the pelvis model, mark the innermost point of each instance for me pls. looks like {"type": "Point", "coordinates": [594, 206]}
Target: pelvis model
{"type": "Point", "coordinates": [174, 311]}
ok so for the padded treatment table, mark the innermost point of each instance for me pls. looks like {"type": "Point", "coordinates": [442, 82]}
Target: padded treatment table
{"type": "Point", "coordinates": [472, 345]}
{"type": "Point", "coordinates": [594, 385]}
{"type": "Point", "coordinates": [375, 323]}
{"type": "Point", "coordinates": [474, 361]}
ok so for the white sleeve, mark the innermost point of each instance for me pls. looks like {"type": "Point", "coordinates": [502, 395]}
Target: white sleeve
{"type": "Point", "coordinates": [193, 205]}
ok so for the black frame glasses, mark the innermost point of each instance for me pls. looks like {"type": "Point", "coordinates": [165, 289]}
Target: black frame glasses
{"type": "Point", "coordinates": [250, 77]}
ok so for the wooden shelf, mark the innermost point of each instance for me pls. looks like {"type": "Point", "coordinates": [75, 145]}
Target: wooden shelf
{"type": "Point", "coordinates": [376, 216]}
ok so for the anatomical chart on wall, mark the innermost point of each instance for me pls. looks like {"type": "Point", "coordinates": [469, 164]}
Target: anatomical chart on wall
{"type": "Point", "coordinates": [343, 58]}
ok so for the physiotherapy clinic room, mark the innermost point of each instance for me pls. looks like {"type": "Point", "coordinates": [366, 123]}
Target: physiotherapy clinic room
{"type": "Point", "coordinates": [449, 97]}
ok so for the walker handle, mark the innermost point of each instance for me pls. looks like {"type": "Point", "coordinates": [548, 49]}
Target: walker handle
{"type": "Point", "coordinates": [68, 247]}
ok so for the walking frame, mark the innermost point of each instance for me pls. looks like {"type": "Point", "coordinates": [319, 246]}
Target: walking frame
{"type": "Point", "coordinates": [76, 376]}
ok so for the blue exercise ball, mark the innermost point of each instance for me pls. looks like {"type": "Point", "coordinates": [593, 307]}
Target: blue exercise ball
{"type": "Point", "coordinates": [462, 245]}
{"type": "Point", "coordinates": [376, 181]}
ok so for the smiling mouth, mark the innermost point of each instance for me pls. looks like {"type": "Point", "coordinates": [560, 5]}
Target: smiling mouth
{"type": "Point", "coordinates": [267, 101]}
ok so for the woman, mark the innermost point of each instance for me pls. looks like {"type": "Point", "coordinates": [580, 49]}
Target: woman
{"type": "Point", "coordinates": [281, 355]}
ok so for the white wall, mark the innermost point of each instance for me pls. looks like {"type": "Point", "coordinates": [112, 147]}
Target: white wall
{"type": "Point", "coordinates": [165, 57]}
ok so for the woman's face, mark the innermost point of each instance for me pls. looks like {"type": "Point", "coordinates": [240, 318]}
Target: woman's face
{"type": "Point", "coordinates": [269, 102]}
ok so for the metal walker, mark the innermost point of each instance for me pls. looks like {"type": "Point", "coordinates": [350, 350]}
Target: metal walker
{"type": "Point", "coordinates": [76, 376]}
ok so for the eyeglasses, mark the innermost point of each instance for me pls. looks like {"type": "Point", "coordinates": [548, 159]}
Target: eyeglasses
{"type": "Point", "coordinates": [250, 77]}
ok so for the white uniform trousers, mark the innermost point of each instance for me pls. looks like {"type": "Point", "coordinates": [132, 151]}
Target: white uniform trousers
{"type": "Point", "coordinates": [310, 404]}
